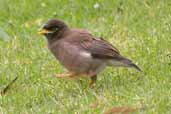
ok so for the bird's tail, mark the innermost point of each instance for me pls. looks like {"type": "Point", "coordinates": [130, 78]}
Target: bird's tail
{"type": "Point", "coordinates": [129, 63]}
{"type": "Point", "coordinates": [121, 61]}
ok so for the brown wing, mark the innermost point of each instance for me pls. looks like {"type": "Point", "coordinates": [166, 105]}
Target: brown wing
{"type": "Point", "coordinates": [99, 48]}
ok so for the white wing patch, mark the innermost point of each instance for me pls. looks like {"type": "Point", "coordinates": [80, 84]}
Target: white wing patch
{"type": "Point", "coordinates": [86, 54]}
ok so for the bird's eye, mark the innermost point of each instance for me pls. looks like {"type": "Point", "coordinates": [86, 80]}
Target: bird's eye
{"type": "Point", "coordinates": [55, 28]}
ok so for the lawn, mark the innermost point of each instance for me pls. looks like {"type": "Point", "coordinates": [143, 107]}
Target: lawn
{"type": "Point", "coordinates": [140, 29]}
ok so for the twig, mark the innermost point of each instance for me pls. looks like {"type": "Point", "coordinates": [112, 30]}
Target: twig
{"type": "Point", "coordinates": [3, 92]}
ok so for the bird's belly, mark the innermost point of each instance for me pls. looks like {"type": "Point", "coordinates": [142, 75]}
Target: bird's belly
{"type": "Point", "coordinates": [79, 61]}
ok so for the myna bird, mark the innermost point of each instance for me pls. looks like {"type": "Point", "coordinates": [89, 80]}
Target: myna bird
{"type": "Point", "coordinates": [81, 53]}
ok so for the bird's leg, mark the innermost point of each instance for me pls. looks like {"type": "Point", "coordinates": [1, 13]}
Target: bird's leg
{"type": "Point", "coordinates": [64, 75]}
{"type": "Point", "coordinates": [93, 80]}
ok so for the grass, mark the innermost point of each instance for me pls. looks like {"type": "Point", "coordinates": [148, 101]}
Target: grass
{"type": "Point", "coordinates": [140, 29]}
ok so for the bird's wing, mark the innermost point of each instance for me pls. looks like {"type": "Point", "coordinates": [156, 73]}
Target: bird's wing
{"type": "Point", "coordinates": [100, 48]}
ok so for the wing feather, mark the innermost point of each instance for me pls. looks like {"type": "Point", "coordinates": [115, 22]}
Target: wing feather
{"type": "Point", "coordinates": [100, 48]}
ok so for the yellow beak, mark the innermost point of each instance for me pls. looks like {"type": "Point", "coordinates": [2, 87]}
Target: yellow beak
{"type": "Point", "coordinates": [44, 31]}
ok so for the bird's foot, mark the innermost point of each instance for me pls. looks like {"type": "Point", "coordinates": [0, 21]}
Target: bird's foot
{"type": "Point", "coordinates": [93, 81]}
{"type": "Point", "coordinates": [65, 75]}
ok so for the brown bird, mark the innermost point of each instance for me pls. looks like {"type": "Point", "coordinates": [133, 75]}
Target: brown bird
{"type": "Point", "coordinates": [81, 53]}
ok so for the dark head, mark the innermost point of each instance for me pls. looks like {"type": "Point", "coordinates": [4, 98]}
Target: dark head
{"type": "Point", "coordinates": [53, 29]}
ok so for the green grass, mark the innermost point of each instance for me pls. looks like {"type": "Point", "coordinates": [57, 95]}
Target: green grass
{"type": "Point", "coordinates": [140, 29]}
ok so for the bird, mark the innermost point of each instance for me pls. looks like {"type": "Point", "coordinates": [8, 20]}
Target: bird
{"type": "Point", "coordinates": [80, 52]}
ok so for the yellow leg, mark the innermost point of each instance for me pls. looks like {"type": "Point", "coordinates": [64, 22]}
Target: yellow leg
{"type": "Point", "coordinates": [93, 81]}
{"type": "Point", "coordinates": [72, 75]}
{"type": "Point", "coordinates": [64, 75]}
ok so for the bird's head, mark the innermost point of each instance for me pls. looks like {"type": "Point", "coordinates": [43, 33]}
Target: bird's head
{"type": "Point", "coordinates": [53, 29]}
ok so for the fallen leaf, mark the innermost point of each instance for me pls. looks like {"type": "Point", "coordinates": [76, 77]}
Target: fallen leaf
{"type": "Point", "coordinates": [122, 110]}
